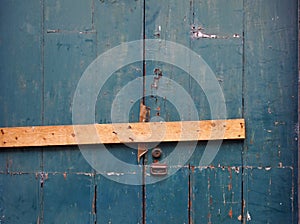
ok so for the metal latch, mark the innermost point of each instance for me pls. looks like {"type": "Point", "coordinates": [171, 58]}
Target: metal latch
{"type": "Point", "coordinates": [158, 169]}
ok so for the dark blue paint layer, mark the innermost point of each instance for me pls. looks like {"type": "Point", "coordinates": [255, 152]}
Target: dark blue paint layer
{"type": "Point", "coordinates": [68, 198]}
{"type": "Point", "coordinates": [68, 15]}
{"type": "Point", "coordinates": [270, 195]}
{"type": "Point", "coordinates": [270, 96]}
{"type": "Point", "coordinates": [21, 80]}
{"type": "Point", "coordinates": [20, 198]}
{"type": "Point", "coordinates": [21, 64]}
{"type": "Point", "coordinates": [168, 200]}
{"type": "Point", "coordinates": [271, 75]}
{"type": "Point", "coordinates": [117, 203]}
{"type": "Point", "coordinates": [45, 47]}
{"type": "Point", "coordinates": [216, 195]}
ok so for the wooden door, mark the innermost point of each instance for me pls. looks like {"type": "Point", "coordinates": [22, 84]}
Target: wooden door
{"type": "Point", "coordinates": [251, 48]}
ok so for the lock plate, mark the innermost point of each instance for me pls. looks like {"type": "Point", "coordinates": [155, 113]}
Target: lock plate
{"type": "Point", "coordinates": [158, 169]}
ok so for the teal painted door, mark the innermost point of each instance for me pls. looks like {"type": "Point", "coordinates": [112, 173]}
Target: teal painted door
{"type": "Point", "coordinates": [251, 47]}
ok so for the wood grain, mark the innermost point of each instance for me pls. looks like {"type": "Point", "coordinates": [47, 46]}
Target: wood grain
{"type": "Point", "coordinates": [122, 133]}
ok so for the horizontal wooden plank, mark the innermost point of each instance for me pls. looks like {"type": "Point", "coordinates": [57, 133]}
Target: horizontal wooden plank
{"type": "Point", "coordinates": [122, 133]}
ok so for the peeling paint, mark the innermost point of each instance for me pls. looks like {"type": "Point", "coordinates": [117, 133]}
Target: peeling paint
{"type": "Point", "coordinates": [157, 32]}
{"type": "Point", "coordinates": [43, 176]}
{"type": "Point", "coordinates": [248, 216]}
{"type": "Point", "coordinates": [197, 32]}
{"type": "Point", "coordinates": [114, 174]}
{"type": "Point", "coordinates": [157, 75]}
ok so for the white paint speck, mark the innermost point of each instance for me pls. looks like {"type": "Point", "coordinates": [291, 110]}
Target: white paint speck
{"type": "Point", "coordinates": [248, 216]}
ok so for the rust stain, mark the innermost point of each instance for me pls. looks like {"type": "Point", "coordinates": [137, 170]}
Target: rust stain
{"type": "Point", "coordinates": [144, 113]}
{"type": "Point", "coordinates": [230, 213]}
{"type": "Point", "coordinates": [193, 169]}
{"type": "Point", "coordinates": [73, 135]}
{"type": "Point", "coordinates": [210, 200]}
{"type": "Point", "coordinates": [94, 203]}
{"type": "Point", "coordinates": [65, 175]}
{"type": "Point", "coordinates": [229, 186]}
{"type": "Point", "coordinates": [190, 201]}
{"type": "Point", "coordinates": [242, 216]}
{"type": "Point", "coordinates": [209, 218]}
{"type": "Point", "coordinates": [230, 177]}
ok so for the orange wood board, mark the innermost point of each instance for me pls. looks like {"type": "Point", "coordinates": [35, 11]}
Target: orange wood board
{"type": "Point", "coordinates": [122, 133]}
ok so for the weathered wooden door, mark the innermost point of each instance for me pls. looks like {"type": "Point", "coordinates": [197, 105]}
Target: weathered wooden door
{"type": "Point", "coordinates": [251, 47]}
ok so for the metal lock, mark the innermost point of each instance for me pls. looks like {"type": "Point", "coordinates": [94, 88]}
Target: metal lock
{"type": "Point", "coordinates": [158, 169]}
{"type": "Point", "coordinates": [156, 153]}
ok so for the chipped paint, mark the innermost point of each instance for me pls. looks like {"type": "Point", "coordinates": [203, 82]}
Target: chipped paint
{"type": "Point", "coordinates": [114, 174]}
{"type": "Point", "coordinates": [197, 32]}
{"type": "Point", "coordinates": [267, 63]}
{"type": "Point", "coordinates": [248, 216]}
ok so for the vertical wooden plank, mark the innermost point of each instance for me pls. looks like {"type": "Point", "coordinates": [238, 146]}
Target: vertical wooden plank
{"type": "Point", "coordinates": [68, 198]}
{"type": "Point", "coordinates": [223, 54]}
{"type": "Point", "coordinates": [271, 194]}
{"type": "Point", "coordinates": [20, 76]}
{"type": "Point", "coordinates": [116, 202]}
{"type": "Point", "coordinates": [271, 115]}
{"type": "Point", "coordinates": [66, 57]}
{"type": "Point", "coordinates": [167, 201]}
{"type": "Point", "coordinates": [118, 22]}
{"type": "Point", "coordinates": [271, 64]}
{"type": "Point", "coordinates": [21, 104]}
{"type": "Point", "coordinates": [67, 54]}
{"type": "Point", "coordinates": [216, 193]}
{"type": "Point", "coordinates": [168, 20]}
{"type": "Point", "coordinates": [19, 198]}
{"type": "Point", "coordinates": [69, 47]}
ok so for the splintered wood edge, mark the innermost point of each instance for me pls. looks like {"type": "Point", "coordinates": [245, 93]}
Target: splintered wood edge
{"type": "Point", "coordinates": [122, 133]}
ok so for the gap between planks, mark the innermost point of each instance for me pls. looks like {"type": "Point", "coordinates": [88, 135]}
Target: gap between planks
{"type": "Point", "coordinates": [122, 133]}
